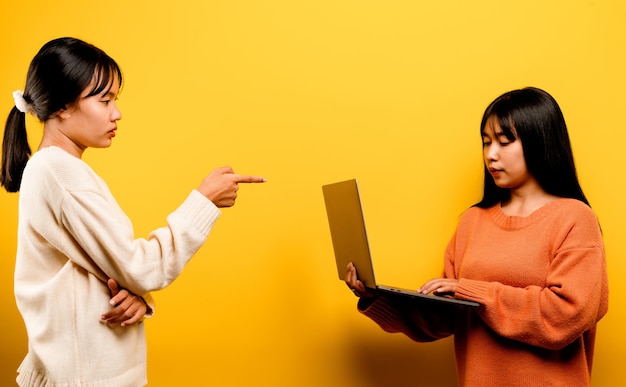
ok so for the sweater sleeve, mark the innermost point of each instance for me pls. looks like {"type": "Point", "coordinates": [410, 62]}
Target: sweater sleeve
{"type": "Point", "coordinates": [106, 237]}
{"type": "Point", "coordinates": [573, 299]}
{"type": "Point", "coordinates": [421, 321]}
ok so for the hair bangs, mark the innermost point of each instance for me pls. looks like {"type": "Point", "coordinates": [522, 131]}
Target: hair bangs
{"type": "Point", "coordinates": [504, 110]}
{"type": "Point", "coordinates": [104, 76]}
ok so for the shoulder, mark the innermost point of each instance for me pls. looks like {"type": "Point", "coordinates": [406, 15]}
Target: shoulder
{"type": "Point", "coordinates": [575, 225]}
{"type": "Point", "coordinates": [573, 220]}
{"type": "Point", "coordinates": [572, 209]}
{"type": "Point", "coordinates": [54, 166]}
{"type": "Point", "coordinates": [54, 159]}
{"type": "Point", "coordinates": [474, 213]}
{"type": "Point", "coordinates": [473, 217]}
{"type": "Point", "coordinates": [579, 216]}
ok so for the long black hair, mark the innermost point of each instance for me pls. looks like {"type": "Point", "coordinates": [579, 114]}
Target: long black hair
{"type": "Point", "coordinates": [62, 69]}
{"type": "Point", "coordinates": [533, 117]}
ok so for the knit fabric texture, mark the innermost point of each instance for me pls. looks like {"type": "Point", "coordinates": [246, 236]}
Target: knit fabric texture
{"type": "Point", "coordinates": [542, 283]}
{"type": "Point", "coordinates": [72, 237]}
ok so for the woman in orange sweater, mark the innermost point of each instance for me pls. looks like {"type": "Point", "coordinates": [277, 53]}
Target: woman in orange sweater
{"type": "Point", "coordinates": [530, 252]}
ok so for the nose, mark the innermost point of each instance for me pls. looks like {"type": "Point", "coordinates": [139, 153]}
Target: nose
{"type": "Point", "coordinates": [116, 114]}
{"type": "Point", "coordinates": [492, 152]}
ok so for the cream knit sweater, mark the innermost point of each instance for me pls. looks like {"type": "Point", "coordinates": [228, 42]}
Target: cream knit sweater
{"type": "Point", "coordinates": [72, 236]}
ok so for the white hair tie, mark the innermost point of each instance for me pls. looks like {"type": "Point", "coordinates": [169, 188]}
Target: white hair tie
{"type": "Point", "coordinates": [20, 102]}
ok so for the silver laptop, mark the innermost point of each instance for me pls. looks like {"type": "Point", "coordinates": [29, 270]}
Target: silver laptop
{"type": "Point", "coordinates": [349, 238]}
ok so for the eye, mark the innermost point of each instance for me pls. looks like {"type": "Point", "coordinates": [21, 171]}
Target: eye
{"type": "Point", "coordinates": [108, 98]}
{"type": "Point", "coordinates": [505, 141]}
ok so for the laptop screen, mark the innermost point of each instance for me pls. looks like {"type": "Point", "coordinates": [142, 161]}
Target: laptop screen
{"type": "Point", "coordinates": [347, 230]}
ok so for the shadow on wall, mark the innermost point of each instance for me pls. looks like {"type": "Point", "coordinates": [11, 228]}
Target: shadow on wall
{"type": "Point", "coordinates": [12, 337]}
{"type": "Point", "coordinates": [385, 359]}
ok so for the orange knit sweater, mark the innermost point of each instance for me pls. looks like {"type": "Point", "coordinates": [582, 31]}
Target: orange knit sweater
{"type": "Point", "coordinates": [542, 283]}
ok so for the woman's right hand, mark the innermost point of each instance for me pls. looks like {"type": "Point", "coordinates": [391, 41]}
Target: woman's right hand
{"type": "Point", "coordinates": [128, 308]}
{"type": "Point", "coordinates": [221, 186]}
{"type": "Point", "coordinates": [356, 285]}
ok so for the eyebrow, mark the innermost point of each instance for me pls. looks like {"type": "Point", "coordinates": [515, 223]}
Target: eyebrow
{"type": "Point", "coordinates": [109, 94]}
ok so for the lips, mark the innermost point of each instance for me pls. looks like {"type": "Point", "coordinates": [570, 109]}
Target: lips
{"type": "Point", "coordinates": [495, 172]}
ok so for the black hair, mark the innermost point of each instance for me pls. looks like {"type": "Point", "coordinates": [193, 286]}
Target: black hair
{"type": "Point", "coordinates": [534, 117]}
{"type": "Point", "coordinates": [62, 69]}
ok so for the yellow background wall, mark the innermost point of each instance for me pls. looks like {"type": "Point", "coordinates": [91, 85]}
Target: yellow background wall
{"type": "Point", "coordinates": [307, 93]}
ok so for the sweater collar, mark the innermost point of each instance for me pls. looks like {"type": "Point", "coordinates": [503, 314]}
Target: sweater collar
{"type": "Point", "coordinates": [508, 222]}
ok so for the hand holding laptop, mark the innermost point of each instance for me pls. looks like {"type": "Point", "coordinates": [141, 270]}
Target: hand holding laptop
{"type": "Point", "coordinates": [354, 283]}
{"type": "Point", "coordinates": [437, 286]}
{"type": "Point", "coordinates": [349, 237]}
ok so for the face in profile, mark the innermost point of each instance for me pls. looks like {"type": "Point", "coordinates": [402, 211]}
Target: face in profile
{"type": "Point", "coordinates": [91, 121]}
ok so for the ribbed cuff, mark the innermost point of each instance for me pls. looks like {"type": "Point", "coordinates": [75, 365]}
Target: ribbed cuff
{"type": "Point", "coordinates": [199, 211]}
{"type": "Point", "coordinates": [472, 290]}
{"type": "Point", "coordinates": [382, 311]}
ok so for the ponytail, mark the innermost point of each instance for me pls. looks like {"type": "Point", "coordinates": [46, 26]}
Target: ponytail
{"type": "Point", "coordinates": [15, 151]}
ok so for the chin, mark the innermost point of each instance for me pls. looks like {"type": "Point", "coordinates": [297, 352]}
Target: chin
{"type": "Point", "coordinates": [102, 145]}
{"type": "Point", "coordinates": [504, 185]}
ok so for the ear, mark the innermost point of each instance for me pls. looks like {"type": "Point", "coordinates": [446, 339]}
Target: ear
{"type": "Point", "coordinates": [63, 113]}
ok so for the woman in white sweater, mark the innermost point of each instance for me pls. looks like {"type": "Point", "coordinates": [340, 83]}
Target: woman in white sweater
{"type": "Point", "coordinates": [73, 236]}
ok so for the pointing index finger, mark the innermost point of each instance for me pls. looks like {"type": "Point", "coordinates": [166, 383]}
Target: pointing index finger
{"type": "Point", "coordinates": [249, 179]}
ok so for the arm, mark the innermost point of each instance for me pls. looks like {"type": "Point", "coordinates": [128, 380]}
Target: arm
{"type": "Point", "coordinates": [551, 316]}
{"type": "Point", "coordinates": [103, 240]}
{"type": "Point", "coordinates": [107, 247]}
{"type": "Point", "coordinates": [419, 320]}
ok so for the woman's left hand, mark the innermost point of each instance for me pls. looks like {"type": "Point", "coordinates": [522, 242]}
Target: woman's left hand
{"type": "Point", "coordinates": [440, 287]}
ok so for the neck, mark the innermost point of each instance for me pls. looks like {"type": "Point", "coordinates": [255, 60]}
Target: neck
{"type": "Point", "coordinates": [53, 136]}
{"type": "Point", "coordinates": [524, 202]}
